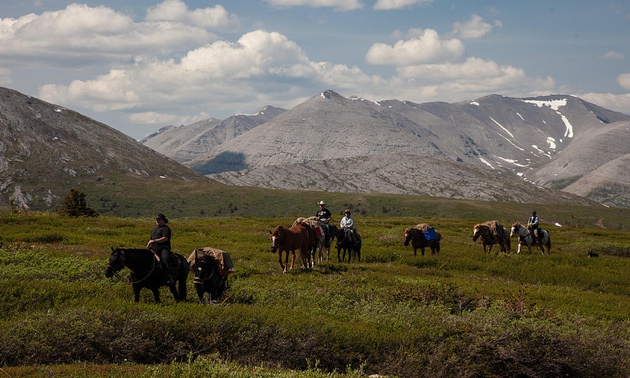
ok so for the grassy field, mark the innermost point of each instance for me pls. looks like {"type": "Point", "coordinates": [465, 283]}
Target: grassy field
{"type": "Point", "coordinates": [461, 313]}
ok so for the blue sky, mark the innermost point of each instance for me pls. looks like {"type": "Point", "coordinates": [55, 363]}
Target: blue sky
{"type": "Point", "coordinates": [139, 65]}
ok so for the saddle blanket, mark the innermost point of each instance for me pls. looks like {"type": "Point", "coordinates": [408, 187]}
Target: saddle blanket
{"type": "Point", "coordinates": [430, 233]}
{"type": "Point", "coordinates": [224, 259]}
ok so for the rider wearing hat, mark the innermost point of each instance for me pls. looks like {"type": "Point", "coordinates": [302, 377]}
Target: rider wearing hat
{"type": "Point", "coordinates": [532, 226]}
{"type": "Point", "coordinates": [160, 244]}
{"type": "Point", "coordinates": [324, 216]}
{"type": "Point", "coordinates": [347, 225]}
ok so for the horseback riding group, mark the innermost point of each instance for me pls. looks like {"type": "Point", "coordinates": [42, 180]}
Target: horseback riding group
{"type": "Point", "coordinates": [156, 265]}
{"type": "Point", "coordinates": [493, 232]}
{"type": "Point", "coordinates": [315, 234]}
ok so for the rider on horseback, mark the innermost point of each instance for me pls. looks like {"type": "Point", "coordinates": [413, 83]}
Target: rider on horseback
{"type": "Point", "coordinates": [324, 216]}
{"type": "Point", "coordinates": [347, 225]}
{"type": "Point", "coordinates": [160, 244]}
{"type": "Point", "coordinates": [532, 226]}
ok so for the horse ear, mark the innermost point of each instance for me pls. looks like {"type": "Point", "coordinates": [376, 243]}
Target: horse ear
{"type": "Point", "coordinates": [112, 249]}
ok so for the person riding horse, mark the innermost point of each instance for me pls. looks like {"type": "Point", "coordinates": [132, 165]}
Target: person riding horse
{"type": "Point", "coordinates": [532, 226]}
{"type": "Point", "coordinates": [324, 216]}
{"type": "Point", "coordinates": [160, 245]}
{"type": "Point", "coordinates": [347, 226]}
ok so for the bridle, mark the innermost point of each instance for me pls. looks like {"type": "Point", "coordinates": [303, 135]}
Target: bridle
{"type": "Point", "coordinates": [121, 254]}
{"type": "Point", "coordinates": [199, 269]}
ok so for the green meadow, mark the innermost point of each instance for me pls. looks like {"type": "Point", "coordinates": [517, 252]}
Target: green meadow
{"type": "Point", "coordinates": [461, 313]}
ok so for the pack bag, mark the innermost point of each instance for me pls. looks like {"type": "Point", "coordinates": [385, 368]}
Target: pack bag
{"type": "Point", "coordinates": [430, 234]}
{"type": "Point", "coordinates": [223, 258]}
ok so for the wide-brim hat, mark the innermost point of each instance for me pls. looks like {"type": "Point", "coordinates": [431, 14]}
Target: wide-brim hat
{"type": "Point", "coordinates": [321, 203]}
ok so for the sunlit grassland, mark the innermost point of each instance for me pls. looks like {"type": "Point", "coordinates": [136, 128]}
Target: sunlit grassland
{"type": "Point", "coordinates": [426, 311]}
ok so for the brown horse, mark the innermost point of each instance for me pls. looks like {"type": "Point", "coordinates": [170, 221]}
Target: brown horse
{"type": "Point", "coordinates": [290, 240]}
{"type": "Point", "coordinates": [492, 232]}
{"type": "Point", "coordinates": [312, 227]}
{"type": "Point", "coordinates": [419, 241]}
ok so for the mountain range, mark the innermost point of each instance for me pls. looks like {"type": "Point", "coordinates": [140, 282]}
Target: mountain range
{"type": "Point", "coordinates": [540, 149]}
{"type": "Point", "coordinates": [554, 149]}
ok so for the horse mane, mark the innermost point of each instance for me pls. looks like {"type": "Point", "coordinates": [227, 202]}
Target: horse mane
{"type": "Point", "coordinates": [516, 224]}
{"type": "Point", "coordinates": [132, 250]}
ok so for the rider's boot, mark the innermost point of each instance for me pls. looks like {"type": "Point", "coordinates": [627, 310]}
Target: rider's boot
{"type": "Point", "coordinates": [166, 271]}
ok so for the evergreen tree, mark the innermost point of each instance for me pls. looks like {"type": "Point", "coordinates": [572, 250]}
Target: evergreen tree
{"type": "Point", "coordinates": [74, 205]}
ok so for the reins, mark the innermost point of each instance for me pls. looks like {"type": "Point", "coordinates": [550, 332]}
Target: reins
{"type": "Point", "coordinates": [127, 281]}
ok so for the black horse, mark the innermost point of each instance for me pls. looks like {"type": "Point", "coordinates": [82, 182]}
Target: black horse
{"type": "Point", "coordinates": [347, 245]}
{"type": "Point", "coordinates": [147, 272]}
{"type": "Point", "coordinates": [208, 278]}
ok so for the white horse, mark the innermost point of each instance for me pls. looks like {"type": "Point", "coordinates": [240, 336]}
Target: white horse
{"type": "Point", "coordinates": [525, 238]}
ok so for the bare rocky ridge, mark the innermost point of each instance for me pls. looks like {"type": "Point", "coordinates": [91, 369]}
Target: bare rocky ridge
{"type": "Point", "coordinates": [45, 150]}
{"type": "Point", "coordinates": [494, 147]}
{"type": "Point", "coordinates": [185, 143]}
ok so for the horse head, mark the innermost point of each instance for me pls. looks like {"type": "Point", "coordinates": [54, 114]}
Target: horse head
{"type": "Point", "coordinates": [116, 262]}
{"type": "Point", "coordinates": [407, 236]}
{"type": "Point", "coordinates": [476, 232]}
{"type": "Point", "coordinates": [204, 267]}
{"type": "Point", "coordinates": [273, 237]}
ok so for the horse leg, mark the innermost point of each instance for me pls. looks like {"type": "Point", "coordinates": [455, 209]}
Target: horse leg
{"type": "Point", "coordinates": [173, 290]}
{"type": "Point", "coordinates": [292, 259]}
{"type": "Point", "coordinates": [182, 288]}
{"type": "Point", "coordinates": [136, 293]}
{"type": "Point", "coordinates": [156, 294]}
{"type": "Point", "coordinates": [282, 266]}
{"type": "Point", "coordinates": [200, 292]}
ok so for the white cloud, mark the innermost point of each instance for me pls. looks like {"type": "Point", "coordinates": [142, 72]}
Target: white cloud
{"type": "Point", "coordinates": [617, 102]}
{"type": "Point", "coordinates": [398, 4]}
{"type": "Point", "coordinates": [612, 55]}
{"type": "Point", "coordinates": [475, 27]}
{"type": "Point", "coordinates": [624, 81]}
{"type": "Point", "coordinates": [475, 76]}
{"type": "Point", "coordinates": [426, 47]}
{"type": "Point", "coordinates": [340, 5]}
{"type": "Point", "coordinates": [80, 32]}
{"type": "Point", "coordinates": [219, 73]}
{"type": "Point", "coordinates": [176, 10]}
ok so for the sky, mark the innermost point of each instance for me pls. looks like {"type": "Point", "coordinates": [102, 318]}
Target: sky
{"type": "Point", "coordinates": [143, 64]}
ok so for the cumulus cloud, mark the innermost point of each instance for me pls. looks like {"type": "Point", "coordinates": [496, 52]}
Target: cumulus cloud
{"type": "Point", "coordinates": [425, 47]}
{"type": "Point", "coordinates": [340, 5]}
{"type": "Point", "coordinates": [80, 32]}
{"type": "Point", "coordinates": [612, 55]}
{"type": "Point", "coordinates": [477, 75]}
{"type": "Point", "coordinates": [617, 102]}
{"type": "Point", "coordinates": [398, 4]}
{"type": "Point", "coordinates": [624, 81]}
{"type": "Point", "coordinates": [475, 27]}
{"type": "Point", "coordinates": [220, 72]}
{"type": "Point", "coordinates": [176, 10]}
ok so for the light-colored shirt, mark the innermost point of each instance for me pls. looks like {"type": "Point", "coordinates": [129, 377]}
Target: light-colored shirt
{"type": "Point", "coordinates": [346, 222]}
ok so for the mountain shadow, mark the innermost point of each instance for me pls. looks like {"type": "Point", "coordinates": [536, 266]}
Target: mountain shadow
{"type": "Point", "coordinates": [224, 162]}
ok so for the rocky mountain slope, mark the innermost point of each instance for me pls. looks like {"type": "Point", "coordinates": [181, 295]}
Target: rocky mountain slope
{"type": "Point", "coordinates": [185, 143]}
{"type": "Point", "coordinates": [492, 148]}
{"type": "Point", "coordinates": [45, 150]}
